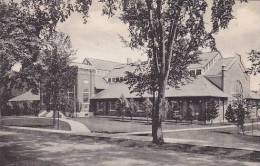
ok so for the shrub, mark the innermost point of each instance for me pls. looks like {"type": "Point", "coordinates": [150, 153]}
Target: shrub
{"type": "Point", "coordinates": [236, 114]}
{"type": "Point", "coordinates": [211, 110]}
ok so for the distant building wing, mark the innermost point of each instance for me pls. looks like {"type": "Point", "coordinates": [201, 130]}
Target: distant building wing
{"type": "Point", "coordinates": [101, 64]}
{"type": "Point", "coordinates": [27, 96]}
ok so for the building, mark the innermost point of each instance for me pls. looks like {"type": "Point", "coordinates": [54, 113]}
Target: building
{"type": "Point", "coordinates": [217, 78]}
{"type": "Point", "coordinates": [99, 85]}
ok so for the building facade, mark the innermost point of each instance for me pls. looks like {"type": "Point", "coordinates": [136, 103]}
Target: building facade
{"type": "Point", "coordinates": [220, 79]}
{"type": "Point", "coordinates": [99, 85]}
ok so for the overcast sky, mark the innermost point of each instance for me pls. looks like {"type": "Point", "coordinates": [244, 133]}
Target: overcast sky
{"type": "Point", "coordinates": [99, 38]}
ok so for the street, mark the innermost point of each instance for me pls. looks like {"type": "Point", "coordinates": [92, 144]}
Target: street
{"type": "Point", "coordinates": [45, 149]}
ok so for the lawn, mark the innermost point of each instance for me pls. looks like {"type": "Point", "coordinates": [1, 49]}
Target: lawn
{"type": "Point", "coordinates": [114, 125]}
{"type": "Point", "coordinates": [66, 150]}
{"type": "Point", "coordinates": [219, 137]}
{"type": "Point", "coordinates": [34, 122]}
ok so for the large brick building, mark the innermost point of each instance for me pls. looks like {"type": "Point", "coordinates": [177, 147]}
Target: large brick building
{"type": "Point", "coordinates": [99, 85]}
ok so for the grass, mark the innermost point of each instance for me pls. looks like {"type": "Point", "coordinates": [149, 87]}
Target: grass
{"type": "Point", "coordinates": [68, 150]}
{"type": "Point", "coordinates": [34, 122]}
{"type": "Point", "coordinates": [115, 125]}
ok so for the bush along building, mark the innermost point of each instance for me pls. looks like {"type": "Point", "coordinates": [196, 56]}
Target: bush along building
{"type": "Point", "coordinates": [218, 81]}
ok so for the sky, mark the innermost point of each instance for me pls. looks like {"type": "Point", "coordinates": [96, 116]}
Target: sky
{"type": "Point", "coordinates": [99, 38]}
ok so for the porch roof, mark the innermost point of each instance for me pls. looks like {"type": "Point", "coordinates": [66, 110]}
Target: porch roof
{"type": "Point", "coordinates": [27, 96]}
{"type": "Point", "coordinates": [200, 87]}
{"type": "Point", "coordinates": [115, 90]}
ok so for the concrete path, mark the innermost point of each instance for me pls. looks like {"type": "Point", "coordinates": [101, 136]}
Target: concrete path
{"type": "Point", "coordinates": [192, 129]}
{"type": "Point", "coordinates": [75, 126]}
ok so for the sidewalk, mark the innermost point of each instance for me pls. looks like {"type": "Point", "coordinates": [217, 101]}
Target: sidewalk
{"type": "Point", "coordinates": [76, 127]}
{"type": "Point", "coordinates": [193, 129]}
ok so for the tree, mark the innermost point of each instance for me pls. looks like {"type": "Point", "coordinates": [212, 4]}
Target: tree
{"type": "Point", "coordinates": [171, 33]}
{"type": "Point", "coordinates": [230, 114]}
{"type": "Point", "coordinates": [57, 75]}
{"type": "Point", "coordinates": [123, 105]}
{"type": "Point", "coordinates": [147, 106]}
{"type": "Point", "coordinates": [211, 110]}
{"type": "Point", "coordinates": [237, 114]}
{"type": "Point", "coordinates": [254, 58]}
{"type": "Point", "coordinates": [132, 107]}
{"type": "Point", "coordinates": [19, 46]}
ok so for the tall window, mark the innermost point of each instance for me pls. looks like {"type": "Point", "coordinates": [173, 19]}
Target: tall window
{"type": "Point", "coordinates": [70, 94]}
{"type": "Point", "coordinates": [85, 96]}
{"type": "Point", "coordinates": [192, 73]}
{"type": "Point", "coordinates": [238, 89]}
{"type": "Point", "coordinates": [198, 72]}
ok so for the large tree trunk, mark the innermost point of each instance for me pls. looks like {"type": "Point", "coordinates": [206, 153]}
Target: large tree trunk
{"type": "Point", "coordinates": [157, 114]}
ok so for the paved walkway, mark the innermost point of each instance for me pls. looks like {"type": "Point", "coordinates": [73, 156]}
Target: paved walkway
{"type": "Point", "coordinates": [76, 127]}
{"type": "Point", "coordinates": [192, 129]}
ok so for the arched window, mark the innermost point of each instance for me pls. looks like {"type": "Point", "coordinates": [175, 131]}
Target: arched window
{"type": "Point", "coordinates": [238, 89]}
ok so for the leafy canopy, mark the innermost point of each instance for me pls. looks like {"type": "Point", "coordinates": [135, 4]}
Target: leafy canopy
{"type": "Point", "coordinates": [172, 32]}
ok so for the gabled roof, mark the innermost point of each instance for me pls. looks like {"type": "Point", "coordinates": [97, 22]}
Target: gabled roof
{"type": "Point", "coordinates": [114, 91]}
{"type": "Point", "coordinates": [82, 66]}
{"type": "Point", "coordinates": [200, 87]}
{"type": "Point", "coordinates": [119, 71]}
{"type": "Point", "coordinates": [204, 59]}
{"type": "Point", "coordinates": [100, 82]}
{"type": "Point", "coordinates": [100, 64]}
{"type": "Point", "coordinates": [217, 67]}
{"type": "Point", "coordinates": [27, 96]}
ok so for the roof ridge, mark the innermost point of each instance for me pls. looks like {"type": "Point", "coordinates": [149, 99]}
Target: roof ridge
{"type": "Point", "coordinates": [104, 60]}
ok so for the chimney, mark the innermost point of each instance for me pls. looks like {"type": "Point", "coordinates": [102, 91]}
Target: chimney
{"type": "Point", "coordinates": [129, 61]}
{"type": "Point", "coordinates": [223, 68]}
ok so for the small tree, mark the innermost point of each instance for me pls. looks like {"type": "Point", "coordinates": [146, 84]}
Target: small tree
{"type": "Point", "coordinates": [56, 69]}
{"type": "Point", "coordinates": [132, 107]}
{"type": "Point", "coordinates": [123, 105]}
{"type": "Point", "coordinates": [211, 111]}
{"type": "Point", "coordinates": [230, 114]}
{"type": "Point", "coordinates": [147, 106]}
{"type": "Point", "coordinates": [237, 114]}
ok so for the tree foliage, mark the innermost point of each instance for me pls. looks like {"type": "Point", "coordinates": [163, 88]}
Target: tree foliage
{"type": "Point", "coordinates": [211, 110]}
{"type": "Point", "coordinates": [172, 32]}
{"type": "Point", "coordinates": [254, 58]}
{"type": "Point", "coordinates": [19, 46]}
{"type": "Point", "coordinates": [236, 114]}
{"type": "Point", "coordinates": [57, 76]}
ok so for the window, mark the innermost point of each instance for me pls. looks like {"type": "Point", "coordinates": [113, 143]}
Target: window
{"type": "Point", "coordinates": [117, 79]}
{"type": "Point", "coordinates": [121, 79]}
{"type": "Point", "coordinates": [70, 94]}
{"type": "Point", "coordinates": [86, 96]}
{"type": "Point", "coordinates": [113, 79]}
{"type": "Point", "coordinates": [100, 105]}
{"type": "Point", "coordinates": [109, 80]}
{"type": "Point", "coordinates": [112, 105]}
{"type": "Point", "coordinates": [192, 73]}
{"type": "Point", "coordinates": [198, 72]}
